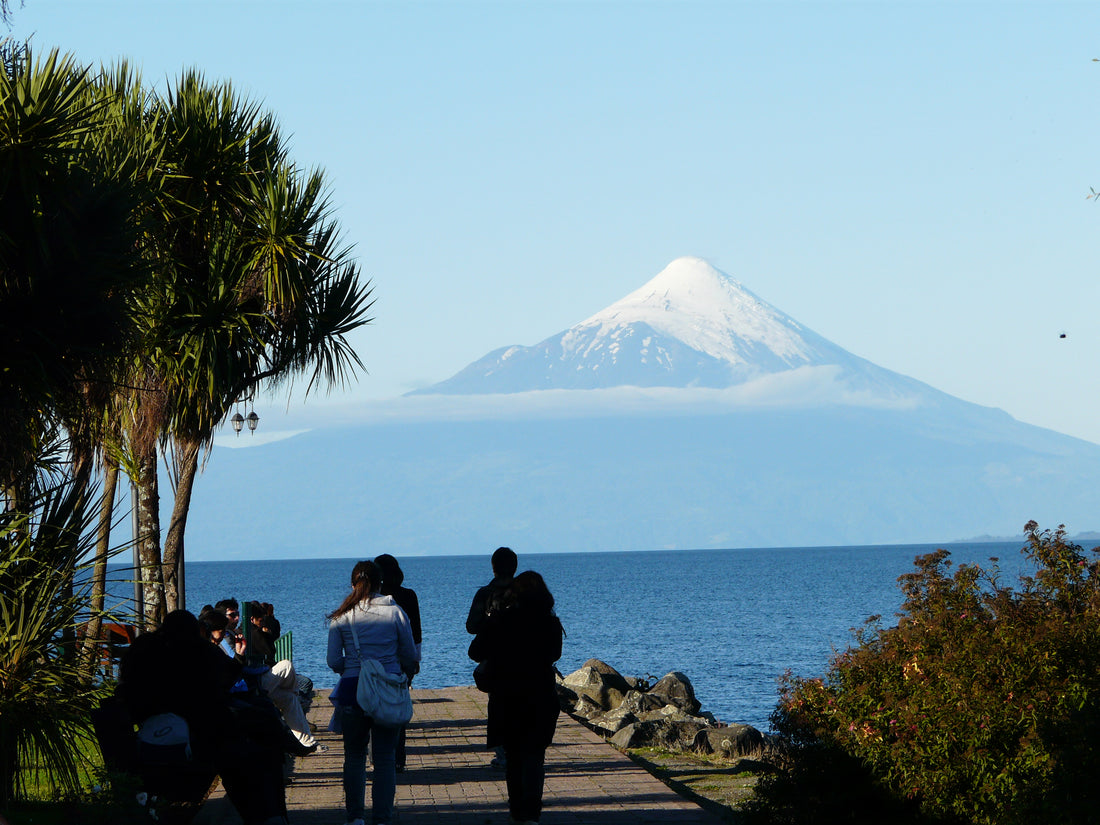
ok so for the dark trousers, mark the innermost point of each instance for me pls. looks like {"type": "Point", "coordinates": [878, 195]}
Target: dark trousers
{"type": "Point", "coordinates": [400, 754]}
{"type": "Point", "coordinates": [524, 775]}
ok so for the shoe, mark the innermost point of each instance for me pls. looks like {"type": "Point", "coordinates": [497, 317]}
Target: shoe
{"type": "Point", "coordinates": [298, 749]}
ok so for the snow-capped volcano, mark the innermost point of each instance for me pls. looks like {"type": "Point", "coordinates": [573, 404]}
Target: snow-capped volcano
{"type": "Point", "coordinates": [706, 310]}
{"type": "Point", "coordinates": [690, 326]}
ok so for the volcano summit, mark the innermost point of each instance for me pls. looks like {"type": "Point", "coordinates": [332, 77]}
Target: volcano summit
{"type": "Point", "coordinates": [690, 326]}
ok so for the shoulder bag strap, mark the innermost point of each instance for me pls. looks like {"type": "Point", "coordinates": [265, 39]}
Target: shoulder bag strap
{"type": "Point", "coordinates": [354, 636]}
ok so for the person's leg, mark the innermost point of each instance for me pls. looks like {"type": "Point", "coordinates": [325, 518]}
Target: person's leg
{"type": "Point", "coordinates": [253, 779]}
{"type": "Point", "coordinates": [288, 703]}
{"type": "Point", "coordinates": [356, 733]}
{"type": "Point", "coordinates": [283, 670]}
{"type": "Point", "coordinates": [383, 777]}
{"type": "Point", "coordinates": [400, 760]}
{"type": "Point", "coordinates": [526, 773]}
{"type": "Point", "coordinates": [513, 781]}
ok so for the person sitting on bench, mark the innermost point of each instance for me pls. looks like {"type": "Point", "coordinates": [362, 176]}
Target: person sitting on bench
{"type": "Point", "coordinates": [174, 671]}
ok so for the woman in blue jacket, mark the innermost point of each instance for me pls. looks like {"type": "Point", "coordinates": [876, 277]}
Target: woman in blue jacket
{"type": "Point", "coordinates": [383, 632]}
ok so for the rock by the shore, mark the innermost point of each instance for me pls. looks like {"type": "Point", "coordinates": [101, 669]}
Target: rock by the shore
{"type": "Point", "coordinates": [730, 741]}
{"type": "Point", "coordinates": [634, 714]}
{"type": "Point", "coordinates": [600, 682]}
{"type": "Point", "coordinates": [657, 733]}
{"type": "Point", "coordinates": [676, 689]}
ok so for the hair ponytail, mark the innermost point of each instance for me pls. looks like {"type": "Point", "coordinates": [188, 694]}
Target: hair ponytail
{"type": "Point", "coordinates": [365, 580]}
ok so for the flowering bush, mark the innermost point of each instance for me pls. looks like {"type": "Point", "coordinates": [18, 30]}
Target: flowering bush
{"type": "Point", "coordinates": [982, 705]}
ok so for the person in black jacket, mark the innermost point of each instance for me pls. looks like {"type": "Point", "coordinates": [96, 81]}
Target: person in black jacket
{"type": "Point", "coordinates": [519, 644]}
{"type": "Point", "coordinates": [487, 598]}
{"type": "Point", "coordinates": [392, 579]}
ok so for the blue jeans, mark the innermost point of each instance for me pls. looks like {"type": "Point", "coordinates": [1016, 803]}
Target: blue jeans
{"type": "Point", "coordinates": [357, 730]}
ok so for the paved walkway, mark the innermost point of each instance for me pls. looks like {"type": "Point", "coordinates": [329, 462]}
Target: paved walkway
{"type": "Point", "coordinates": [449, 781]}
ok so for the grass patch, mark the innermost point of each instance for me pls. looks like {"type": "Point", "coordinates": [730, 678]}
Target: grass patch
{"type": "Point", "coordinates": [721, 786]}
{"type": "Point", "coordinates": [37, 783]}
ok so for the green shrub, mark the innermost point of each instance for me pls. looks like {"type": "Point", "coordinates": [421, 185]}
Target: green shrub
{"type": "Point", "coordinates": [982, 705]}
{"type": "Point", "coordinates": [46, 735]}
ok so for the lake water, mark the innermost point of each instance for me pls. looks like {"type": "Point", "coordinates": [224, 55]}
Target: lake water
{"type": "Point", "coordinates": [732, 620]}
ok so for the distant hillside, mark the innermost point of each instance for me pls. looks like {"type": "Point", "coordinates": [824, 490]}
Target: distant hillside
{"type": "Point", "coordinates": [690, 414]}
{"type": "Point", "coordinates": [833, 476]}
{"type": "Point", "coordinates": [1085, 538]}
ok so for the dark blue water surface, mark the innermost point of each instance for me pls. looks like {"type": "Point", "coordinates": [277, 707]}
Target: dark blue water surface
{"type": "Point", "coordinates": [732, 620]}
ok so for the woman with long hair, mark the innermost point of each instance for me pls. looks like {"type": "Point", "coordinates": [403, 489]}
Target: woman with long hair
{"type": "Point", "coordinates": [372, 626]}
{"type": "Point", "coordinates": [518, 646]}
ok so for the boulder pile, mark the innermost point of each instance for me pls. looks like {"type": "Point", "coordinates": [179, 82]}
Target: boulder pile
{"type": "Point", "coordinates": [633, 713]}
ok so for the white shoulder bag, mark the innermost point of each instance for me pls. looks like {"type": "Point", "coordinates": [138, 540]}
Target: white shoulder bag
{"type": "Point", "coordinates": [385, 698]}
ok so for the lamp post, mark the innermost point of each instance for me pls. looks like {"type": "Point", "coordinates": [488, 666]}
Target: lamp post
{"type": "Point", "coordinates": [238, 421]}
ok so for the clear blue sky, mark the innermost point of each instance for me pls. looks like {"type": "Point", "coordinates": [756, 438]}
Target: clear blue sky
{"type": "Point", "coordinates": [907, 179]}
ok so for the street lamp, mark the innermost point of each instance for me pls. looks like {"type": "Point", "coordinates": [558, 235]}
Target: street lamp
{"type": "Point", "coordinates": [238, 421]}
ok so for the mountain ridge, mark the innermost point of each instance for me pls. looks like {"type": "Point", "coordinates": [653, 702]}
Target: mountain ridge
{"type": "Point", "coordinates": [660, 440]}
{"type": "Point", "coordinates": [691, 325]}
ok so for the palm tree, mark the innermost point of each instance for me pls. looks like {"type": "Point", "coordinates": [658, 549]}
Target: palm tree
{"type": "Point", "coordinates": [251, 287]}
{"type": "Point", "coordinates": [67, 258]}
{"type": "Point", "coordinates": [160, 258]}
{"type": "Point", "coordinates": [124, 145]}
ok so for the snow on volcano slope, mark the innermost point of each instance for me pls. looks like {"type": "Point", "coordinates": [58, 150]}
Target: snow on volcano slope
{"type": "Point", "coordinates": [690, 326]}
{"type": "Point", "coordinates": [704, 309]}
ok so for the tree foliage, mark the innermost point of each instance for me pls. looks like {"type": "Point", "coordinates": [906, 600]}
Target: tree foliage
{"type": "Point", "coordinates": [982, 705]}
{"type": "Point", "coordinates": [68, 256]}
{"type": "Point", "coordinates": [44, 704]}
{"type": "Point", "coordinates": [161, 257]}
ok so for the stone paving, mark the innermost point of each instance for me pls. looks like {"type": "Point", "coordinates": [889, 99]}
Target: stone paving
{"type": "Point", "coordinates": [449, 781]}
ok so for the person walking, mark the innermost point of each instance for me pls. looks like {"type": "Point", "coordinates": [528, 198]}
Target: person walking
{"type": "Point", "coordinates": [382, 632]}
{"type": "Point", "coordinates": [518, 645]}
{"type": "Point", "coordinates": [486, 600]}
{"type": "Point", "coordinates": [392, 580]}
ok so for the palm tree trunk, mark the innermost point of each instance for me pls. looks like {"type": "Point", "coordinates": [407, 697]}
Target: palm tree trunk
{"type": "Point", "coordinates": [82, 474]}
{"type": "Point", "coordinates": [9, 762]}
{"type": "Point", "coordinates": [148, 538]}
{"type": "Point", "coordinates": [187, 456]}
{"type": "Point", "coordinates": [94, 631]}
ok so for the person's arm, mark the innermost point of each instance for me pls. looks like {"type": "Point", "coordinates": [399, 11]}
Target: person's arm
{"type": "Point", "coordinates": [414, 615]}
{"type": "Point", "coordinates": [335, 656]}
{"type": "Point", "coordinates": [477, 611]}
{"type": "Point", "coordinates": [272, 626]}
{"type": "Point", "coordinates": [406, 647]}
{"type": "Point", "coordinates": [486, 641]}
{"type": "Point", "coordinates": [555, 633]}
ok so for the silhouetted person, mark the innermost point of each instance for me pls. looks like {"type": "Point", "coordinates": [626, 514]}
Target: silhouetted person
{"type": "Point", "coordinates": [174, 670]}
{"type": "Point", "coordinates": [392, 580]}
{"type": "Point", "coordinates": [519, 643]}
